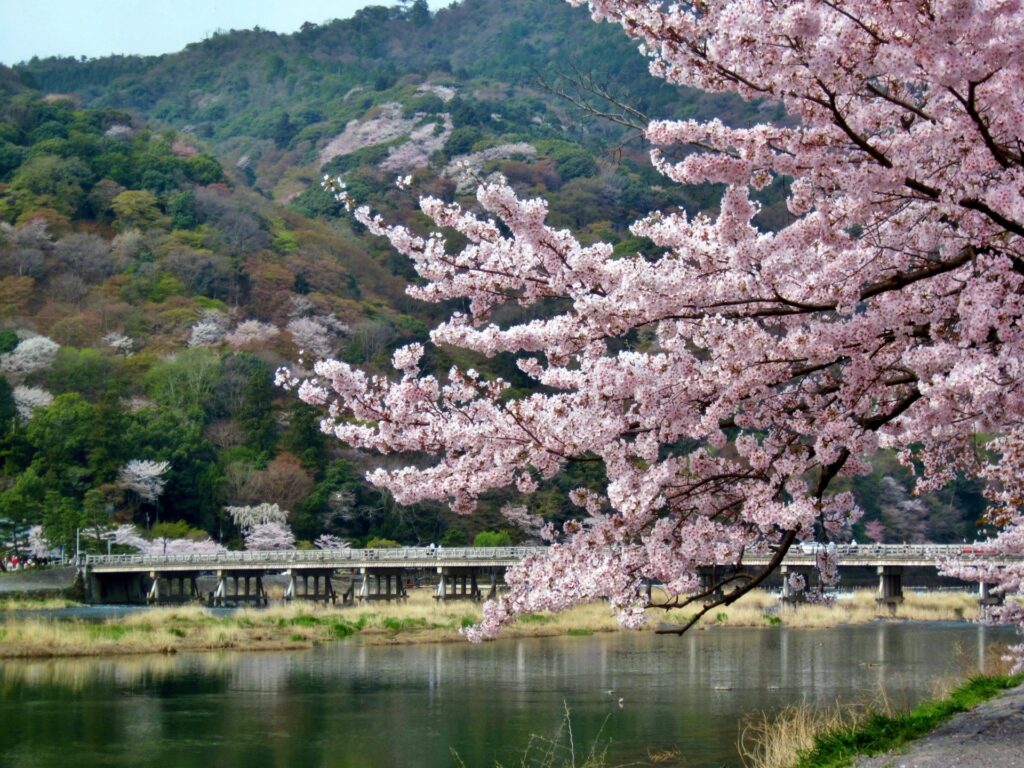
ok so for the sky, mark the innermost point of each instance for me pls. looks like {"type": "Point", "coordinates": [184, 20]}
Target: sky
{"type": "Point", "coordinates": [101, 27]}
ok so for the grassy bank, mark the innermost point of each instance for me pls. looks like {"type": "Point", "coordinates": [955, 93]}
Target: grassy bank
{"type": "Point", "coordinates": [419, 620]}
{"type": "Point", "coordinates": [22, 603]}
{"type": "Point", "coordinates": [809, 737]}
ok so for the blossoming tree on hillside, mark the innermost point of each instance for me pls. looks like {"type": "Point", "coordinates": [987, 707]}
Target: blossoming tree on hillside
{"type": "Point", "coordinates": [887, 313]}
{"type": "Point", "coordinates": [264, 526]}
{"type": "Point", "coordinates": [145, 478]}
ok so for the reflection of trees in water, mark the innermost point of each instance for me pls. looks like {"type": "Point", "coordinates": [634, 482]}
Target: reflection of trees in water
{"type": "Point", "coordinates": [81, 673]}
{"type": "Point", "coordinates": [719, 660]}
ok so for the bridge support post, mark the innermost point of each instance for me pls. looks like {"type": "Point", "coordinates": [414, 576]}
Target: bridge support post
{"type": "Point", "coordinates": [462, 584]}
{"type": "Point", "coordinates": [441, 592]}
{"type": "Point", "coordinates": [985, 597]}
{"type": "Point", "coordinates": [890, 586]}
{"type": "Point", "coordinates": [221, 592]}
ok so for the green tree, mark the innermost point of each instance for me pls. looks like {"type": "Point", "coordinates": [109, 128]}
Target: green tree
{"type": "Point", "coordinates": [246, 391]}
{"type": "Point", "coordinates": [55, 182]}
{"type": "Point", "coordinates": [8, 410]}
{"type": "Point", "coordinates": [492, 539]}
{"type": "Point", "coordinates": [25, 499]}
{"type": "Point", "coordinates": [185, 383]}
{"type": "Point", "coordinates": [381, 543]}
{"type": "Point", "coordinates": [89, 372]}
{"type": "Point", "coordinates": [136, 209]}
{"type": "Point", "coordinates": [303, 436]}
{"type": "Point", "coordinates": [62, 518]}
{"type": "Point", "coordinates": [454, 537]}
{"type": "Point", "coordinates": [181, 208]}
{"type": "Point", "coordinates": [8, 341]}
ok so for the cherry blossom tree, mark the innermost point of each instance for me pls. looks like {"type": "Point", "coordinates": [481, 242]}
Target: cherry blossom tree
{"type": "Point", "coordinates": [875, 531]}
{"type": "Point", "coordinates": [27, 399]}
{"type": "Point", "coordinates": [269, 536]}
{"type": "Point", "coordinates": [251, 332]}
{"type": "Point", "coordinates": [330, 541]}
{"type": "Point", "coordinates": [726, 382]}
{"type": "Point", "coordinates": [246, 518]}
{"type": "Point", "coordinates": [128, 535]}
{"type": "Point", "coordinates": [316, 335]}
{"type": "Point", "coordinates": [38, 546]}
{"type": "Point", "coordinates": [144, 478]}
{"type": "Point", "coordinates": [123, 345]}
{"type": "Point", "coordinates": [31, 355]}
{"type": "Point", "coordinates": [209, 330]}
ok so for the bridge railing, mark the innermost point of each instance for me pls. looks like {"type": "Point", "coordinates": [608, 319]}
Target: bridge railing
{"type": "Point", "coordinates": [342, 557]}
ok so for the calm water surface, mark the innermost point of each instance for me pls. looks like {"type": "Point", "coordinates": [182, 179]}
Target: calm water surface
{"type": "Point", "coordinates": [347, 705]}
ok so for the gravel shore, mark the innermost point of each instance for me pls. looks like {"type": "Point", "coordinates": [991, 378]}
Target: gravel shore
{"type": "Point", "coordinates": [989, 736]}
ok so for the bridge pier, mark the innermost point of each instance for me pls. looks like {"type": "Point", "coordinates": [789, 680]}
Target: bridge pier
{"type": "Point", "coordinates": [789, 595]}
{"type": "Point", "coordinates": [157, 595]}
{"type": "Point", "coordinates": [461, 583]}
{"type": "Point", "coordinates": [890, 586]}
{"type": "Point", "coordinates": [388, 584]}
{"type": "Point", "coordinates": [328, 595]}
{"type": "Point", "coordinates": [250, 592]}
{"type": "Point", "coordinates": [985, 597]}
{"type": "Point", "coordinates": [130, 587]}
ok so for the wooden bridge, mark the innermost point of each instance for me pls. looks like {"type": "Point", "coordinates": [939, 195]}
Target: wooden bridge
{"type": "Point", "coordinates": [384, 574]}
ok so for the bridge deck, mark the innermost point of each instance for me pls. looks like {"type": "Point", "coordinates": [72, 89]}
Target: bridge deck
{"type": "Point", "coordinates": [908, 555]}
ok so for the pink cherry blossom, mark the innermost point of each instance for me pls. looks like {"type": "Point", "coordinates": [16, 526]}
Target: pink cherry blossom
{"type": "Point", "coordinates": [886, 314]}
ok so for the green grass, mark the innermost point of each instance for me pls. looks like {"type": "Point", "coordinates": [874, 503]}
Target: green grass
{"type": "Point", "coordinates": [580, 632]}
{"type": "Point", "coordinates": [107, 631]}
{"type": "Point", "coordinates": [399, 625]}
{"type": "Point", "coordinates": [882, 733]}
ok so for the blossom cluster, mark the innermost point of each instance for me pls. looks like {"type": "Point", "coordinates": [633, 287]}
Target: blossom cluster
{"type": "Point", "coordinates": [887, 313]}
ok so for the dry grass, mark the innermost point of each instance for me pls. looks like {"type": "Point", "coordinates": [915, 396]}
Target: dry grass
{"type": "Point", "coordinates": [780, 739]}
{"type": "Point", "coordinates": [35, 603]}
{"type": "Point", "coordinates": [760, 608]}
{"type": "Point", "coordinates": [421, 619]}
{"type": "Point", "coordinates": [775, 740]}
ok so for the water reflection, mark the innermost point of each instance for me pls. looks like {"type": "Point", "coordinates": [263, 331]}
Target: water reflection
{"type": "Point", "coordinates": [352, 705]}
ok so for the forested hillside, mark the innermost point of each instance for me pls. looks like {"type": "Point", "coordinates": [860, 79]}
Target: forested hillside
{"type": "Point", "coordinates": [166, 246]}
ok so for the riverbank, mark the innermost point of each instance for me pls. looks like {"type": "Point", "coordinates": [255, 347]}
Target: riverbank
{"type": "Point", "coordinates": [951, 729]}
{"type": "Point", "coordinates": [25, 634]}
{"type": "Point", "coordinates": [987, 735]}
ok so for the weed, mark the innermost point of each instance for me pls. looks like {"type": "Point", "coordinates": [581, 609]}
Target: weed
{"type": "Point", "coordinates": [340, 629]}
{"type": "Point", "coordinates": [399, 625]}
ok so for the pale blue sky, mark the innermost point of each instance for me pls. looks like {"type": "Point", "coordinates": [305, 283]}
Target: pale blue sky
{"type": "Point", "coordinates": [99, 27]}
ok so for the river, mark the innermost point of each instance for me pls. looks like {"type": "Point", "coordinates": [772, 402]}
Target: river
{"type": "Point", "coordinates": [346, 705]}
